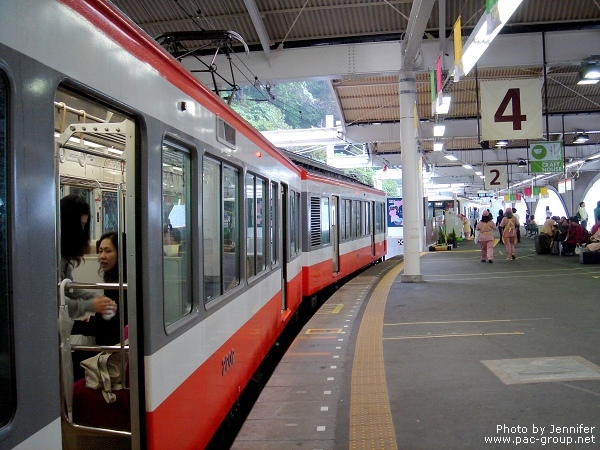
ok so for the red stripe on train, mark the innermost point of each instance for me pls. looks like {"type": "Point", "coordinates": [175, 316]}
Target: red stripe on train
{"type": "Point", "coordinates": [188, 418]}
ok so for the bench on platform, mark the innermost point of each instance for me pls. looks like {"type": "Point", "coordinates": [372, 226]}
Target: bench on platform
{"type": "Point", "coordinates": [532, 229]}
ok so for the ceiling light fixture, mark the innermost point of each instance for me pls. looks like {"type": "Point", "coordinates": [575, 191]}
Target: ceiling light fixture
{"type": "Point", "coordinates": [443, 105]}
{"type": "Point", "coordinates": [451, 157]}
{"type": "Point", "coordinates": [481, 37]}
{"type": "Point", "coordinates": [501, 143]}
{"type": "Point", "coordinates": [438, 146]}
{"type": "Point", "coordinates": [439, 130]}
{"type": "Point", "coordinates": [581, 137]}
{"type": "Point", "coordinates": [590, 70]}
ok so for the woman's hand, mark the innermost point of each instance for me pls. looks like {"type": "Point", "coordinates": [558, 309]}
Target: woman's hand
{"type": "Point", "coordinates": [104, 305]}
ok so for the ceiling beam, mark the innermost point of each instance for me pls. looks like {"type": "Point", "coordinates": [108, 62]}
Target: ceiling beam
{"type": "Point", "coordinates": [259, 26]}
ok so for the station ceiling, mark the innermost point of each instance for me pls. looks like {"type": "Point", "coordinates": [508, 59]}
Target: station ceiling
{"type": "Point", "coordinates": [356, 46]}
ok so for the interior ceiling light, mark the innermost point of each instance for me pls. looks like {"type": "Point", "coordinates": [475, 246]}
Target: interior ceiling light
{"type": "Point", "coordinates": [439, 130]}
{"type": "Point", "coordinates": [467, 166]}
{"type": "Point", "coordinates": [479, 39]}
{"type": "Point", "coordinates": [590, 70]}
{"type": "Point", "coordinates": [581, 138]}
{"type": "Point", "coordinates": [443, 106]}
{"type": "Point", "coordinates": [451, 157]}
{"type": "Point", "coordinates": [438, 146]}
{"type": "Point", "coordinates": [501, 143]}
{"type": "Point", "coordinates": [522, 163]}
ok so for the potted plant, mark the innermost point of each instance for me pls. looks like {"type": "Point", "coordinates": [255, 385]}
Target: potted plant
{"type": "Point", "coordinates": [453, 239]}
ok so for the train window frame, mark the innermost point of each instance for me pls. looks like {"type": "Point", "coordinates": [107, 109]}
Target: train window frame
{"type": "Point", "coordinates": [8, 386]}
{"type": "Point", "coordinates": [253, 218]}
{"type": "Point", "coordinates": [226, 134]}
{"type": "Point", "coordinates": [274, 207]}
{"type": "Point", "coordinates": [236, 211]}
{"type": "Point", "coordinates": [180, 266]}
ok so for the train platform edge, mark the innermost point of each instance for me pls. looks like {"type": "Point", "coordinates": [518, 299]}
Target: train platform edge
{"type": "Point", "coordinates": [476, 356]}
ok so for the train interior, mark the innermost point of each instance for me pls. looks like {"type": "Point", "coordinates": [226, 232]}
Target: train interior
{"type": "Point", "coordinates": [92, 144]}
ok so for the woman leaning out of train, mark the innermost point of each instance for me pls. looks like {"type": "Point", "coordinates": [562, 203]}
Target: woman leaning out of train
{"type": "Point", "coordinates": [509, 225]}
{"type": "Point", "coordinates": [74, 243]}
{"type": "Point", "coordinates": [486, 227]}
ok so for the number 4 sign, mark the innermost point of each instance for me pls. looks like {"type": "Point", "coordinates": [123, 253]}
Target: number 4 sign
{"type": "Point", "coordinates": [495, 177]}
{"type": "Point", "coordinates": [511, 109]}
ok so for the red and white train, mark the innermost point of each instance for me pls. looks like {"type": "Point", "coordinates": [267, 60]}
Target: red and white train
{"type": "Point", "coordinates": [91, 105]}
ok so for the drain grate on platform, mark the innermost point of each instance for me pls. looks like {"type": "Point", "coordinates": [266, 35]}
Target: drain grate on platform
{"type": "Point", "coordinates": [540, 370]}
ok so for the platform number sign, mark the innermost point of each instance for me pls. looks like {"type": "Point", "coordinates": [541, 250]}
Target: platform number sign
{"type": "Point", "coordinates": [495, 177]}
{"type": "Point", "coordinates": [511, 109]}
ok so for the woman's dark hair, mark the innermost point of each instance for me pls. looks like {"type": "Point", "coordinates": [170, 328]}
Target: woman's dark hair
{"type": "Point", "coordinates": [486, 218]}
{"type": "Point", "coordinates": [74, 240]}
{"type": "Point", "coordinates": [112, 276]}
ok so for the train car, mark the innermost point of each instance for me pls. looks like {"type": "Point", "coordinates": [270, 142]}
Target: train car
{"type": "Point", "coordinates": [345, 225]}
{"type": "Point", "coordinates": [215, 264]}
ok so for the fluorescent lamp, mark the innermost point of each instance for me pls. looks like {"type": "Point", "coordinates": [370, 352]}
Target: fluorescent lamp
{"type": "Point", "coordinates": [439, 130]}
{"type": "Point", "coordinates": [438, 146]}
{"type": "Point", "coordinates": [479, 39]}
{"type": "Point", "coordinates": [467, 166]}
{"type": "Point", "coordinates": [581, 138]}
{"type": "Point", "coordinates": [442, 106]}
{"type": "Point", "coordinates": [451, 157]}
{"type": "Point", "coordinates": [591, 72]}
{"type": "Point", "coordinates": [501, 143]}
{"type": "Point", "coordinates": [597, 155]}
{"type": "Point", "coordinates": [586, 80]}
{"type": "Point", "coordinates": [478, 173]}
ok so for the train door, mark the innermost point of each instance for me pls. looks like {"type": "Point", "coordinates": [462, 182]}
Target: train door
{"type": "Point", "coordinates": [371, 225]}
{"type": "Point", "coordinates": [95, 148]}
{"type": "Point", "coordinates": [283, 201]}
{"type": "Point", "coordinates": [335, 238]}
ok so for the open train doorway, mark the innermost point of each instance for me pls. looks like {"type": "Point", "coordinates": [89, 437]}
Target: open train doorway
{"type": "Point", "coordinates": [94, 163]}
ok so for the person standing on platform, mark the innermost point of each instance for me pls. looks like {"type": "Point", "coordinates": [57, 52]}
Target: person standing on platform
{"type": "Point", "coordinates": [582, 215]}
{"type": "Point", "coordinates": [548, 213]}
{"type": "Point", "coordinates": [509, 224]}
{"type": "Point", "coordinates": [514, 211]}
{"type": "Point", "coordinates": [597, 212]}
{"type": "Point", "coordinates": [498, 220]}
{"type": "Point", "coordinates": [486, 227]}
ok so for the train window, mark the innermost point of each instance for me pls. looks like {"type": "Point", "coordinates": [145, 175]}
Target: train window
{"type": "Point", "coordinates": [368, 217]}
{"type": "Point", "coordinates": [256, 188]}
{"type": "Point", "coordinates": [7, 405]}
{"type": "Point", "coordinates": [294, 223]}
{"type": "Point", "coordinates": [221, 233]}
{"type": "Point", "coordinates": [324, 220]}
{"type": "Point", "coordinates": [348, 219]}
{"type": "Point", "coordinates": [356, 218]}
{"type": "Point", "coordinates": [273, 211]}
{"type": "Point", "coordinates": [176, 213]}
{"type": "Point", "coordinates": [379, 220]}
{"type": "Point", "coordinates": [225, 133]}
{"type": "Point", "coordinates": [109, 211]}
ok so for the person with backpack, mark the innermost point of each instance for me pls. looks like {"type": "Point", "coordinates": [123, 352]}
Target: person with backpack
{"type": "Point", "coordinates": [509, 225]}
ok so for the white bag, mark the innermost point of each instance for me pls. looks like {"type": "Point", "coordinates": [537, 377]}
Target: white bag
{"type": "Point", "coordinates": [477, 236]}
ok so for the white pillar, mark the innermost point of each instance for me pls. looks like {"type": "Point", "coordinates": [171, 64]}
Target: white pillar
{"type": "Point", "coordinates": [411, 179]}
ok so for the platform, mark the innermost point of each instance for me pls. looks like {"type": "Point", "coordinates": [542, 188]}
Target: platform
{"type": "Point", "coordinates": [476, 356]}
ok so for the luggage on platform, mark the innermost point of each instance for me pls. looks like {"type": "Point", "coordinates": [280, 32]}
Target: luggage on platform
{"type": "Point", "coordinates": [542, 244]}
{"type": "Point", "coordinates": [586, 257]}
{"type": "Point", "coordinates": [555, 250]}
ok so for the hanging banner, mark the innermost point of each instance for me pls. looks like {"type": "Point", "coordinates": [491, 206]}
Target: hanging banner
{"type": "Point", "coordinates": [458, 50]}
{"type": "Point", "coordinates": [511, 109]}
{"type": "Point", "coordinates": [544, 192]}
{"type": "Point", "coordinates": [527, 191]}
{"type": "Point", "coordinates": [546, 157]}
{"type": "Point", "coordinates": [492, 16]}
{"type": "Point", "coordinates": [495, 177]}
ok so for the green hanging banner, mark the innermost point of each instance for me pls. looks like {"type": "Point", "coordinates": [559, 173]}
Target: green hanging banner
{"type": "Point", "coordinates": [546, 157]}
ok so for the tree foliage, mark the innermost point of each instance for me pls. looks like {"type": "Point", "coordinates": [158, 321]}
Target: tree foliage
{"type": "Point", "coordinates": [390, 187]}
{"type": "Point", "coordinates": [285, 106]}
{"type": "Point", "coordinates": [363, 174]}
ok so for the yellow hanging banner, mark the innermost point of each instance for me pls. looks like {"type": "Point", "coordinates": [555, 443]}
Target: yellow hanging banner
{"type": "Point", "coordinates": [458, 51]}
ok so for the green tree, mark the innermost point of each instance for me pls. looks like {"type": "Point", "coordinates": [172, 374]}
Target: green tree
{"type": "Point", "coordinates": [262, 115]}
{"type": "Point", "coordinates": [390, 187]}
{"type": "Point", "coordinates": [363, 174]}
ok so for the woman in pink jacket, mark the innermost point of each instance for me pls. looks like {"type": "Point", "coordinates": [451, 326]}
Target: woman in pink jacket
{"type": "Point", "coordinates": [486, 227]}
{"type": "Point", "coordinates": [509, 225]}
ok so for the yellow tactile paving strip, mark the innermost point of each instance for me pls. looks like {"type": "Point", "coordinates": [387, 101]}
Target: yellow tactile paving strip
{"type": "Point", "coordinates": [371, 425]}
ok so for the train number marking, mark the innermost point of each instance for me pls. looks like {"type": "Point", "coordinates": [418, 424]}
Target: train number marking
{"type": "Point", "coordinates": [227, 362]}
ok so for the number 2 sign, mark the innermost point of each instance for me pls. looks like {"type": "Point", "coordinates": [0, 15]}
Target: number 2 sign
{"type": "Point", "coordinates": [511, 109]}
{"type": "Point", "coordinates": [495, 177]}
